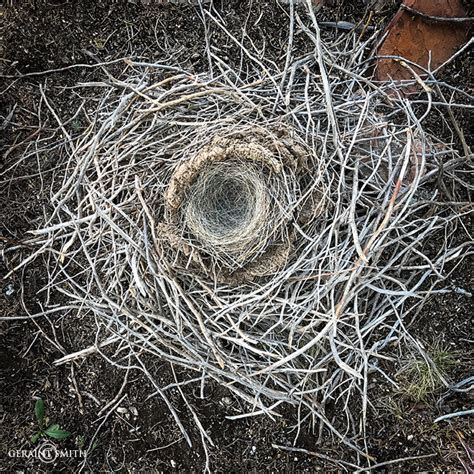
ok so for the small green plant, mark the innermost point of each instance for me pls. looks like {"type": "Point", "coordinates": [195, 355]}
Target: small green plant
{"type": "Point", "coordinates": [392, 405]}
{"type": "Point", "coordinates": [420, 379]}
{"type": "Point", "coordinates": [52, 431]}
{"type": "Point", "coordinates": [81, 441]}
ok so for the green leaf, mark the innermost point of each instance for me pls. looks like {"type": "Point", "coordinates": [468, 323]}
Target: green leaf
{"type": "Point", "coordinates": [81, 441]}
{"type": "Point", "coordinates": [36, 437]}
{"type": "Point", "coordinates": [54, 431]}
{"type": "Point", "coordinates": [39, 411]}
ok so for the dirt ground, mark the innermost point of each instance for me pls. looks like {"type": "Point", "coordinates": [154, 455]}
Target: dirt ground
{"type": "Point", "coordinates": [141, 434]}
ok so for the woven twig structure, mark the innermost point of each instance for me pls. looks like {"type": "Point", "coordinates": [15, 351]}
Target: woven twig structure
{"type": "Point", "coordinates": [265, 231]}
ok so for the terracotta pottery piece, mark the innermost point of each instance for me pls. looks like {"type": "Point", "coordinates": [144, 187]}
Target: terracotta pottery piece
{"type": "Point", "coordinates": [422, 32]}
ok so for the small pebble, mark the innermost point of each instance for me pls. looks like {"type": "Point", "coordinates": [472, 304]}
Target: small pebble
{"type": "Point", "coordinates": [226, 401]}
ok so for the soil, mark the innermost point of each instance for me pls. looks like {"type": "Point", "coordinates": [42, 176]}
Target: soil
{"type": "Point", "coordinates": [141, 434]}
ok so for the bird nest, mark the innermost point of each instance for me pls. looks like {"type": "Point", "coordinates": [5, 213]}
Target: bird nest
{"type": "Point", "coordinates": [266, 232]}
{"type": "Point", "coordinates": [228, 209]}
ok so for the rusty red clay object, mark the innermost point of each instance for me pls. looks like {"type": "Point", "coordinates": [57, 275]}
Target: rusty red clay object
{"type": "Point", "coordinates": [413, 36]}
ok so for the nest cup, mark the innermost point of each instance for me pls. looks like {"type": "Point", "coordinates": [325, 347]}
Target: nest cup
{"type": "Point", "coordinates": [228, 208]}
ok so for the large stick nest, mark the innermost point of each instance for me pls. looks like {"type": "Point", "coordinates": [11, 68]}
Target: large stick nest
{"type": "Point", "coordinates": [267, 232]}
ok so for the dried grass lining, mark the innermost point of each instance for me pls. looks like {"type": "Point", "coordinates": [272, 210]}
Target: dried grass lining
{"type": "Point", "coordinates": [229, 207]}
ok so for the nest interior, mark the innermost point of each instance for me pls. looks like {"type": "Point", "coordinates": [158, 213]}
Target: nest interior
{"type": "Point", "coordinates": [229, 207]}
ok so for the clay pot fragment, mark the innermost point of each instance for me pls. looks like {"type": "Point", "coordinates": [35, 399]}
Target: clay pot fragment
{"type": "Point", "coordinates": [426, 32]}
